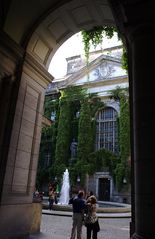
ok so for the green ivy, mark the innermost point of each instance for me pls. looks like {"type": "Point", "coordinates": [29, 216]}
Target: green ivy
{"type": "Point", "coordinates": [95, 37]}
{"type": "Point", "coordinates": [125, 59]}
{"type": "Point", "coordinates": [50, 105]}
{"type": "Point", "coordinates": [67, 126]}
{"type": "Point", "coordinates": [64, 133]}
{"type": "Point", "coordinates": [123, 168]}
{"type": "Point", "coordinates": [46, 145]}
{"type": "Point", "coordinates": [86, 136]}
{"type": "Point", "coordinates": [124, 135]}
{"type": "Point", "coordinates": [101, 160]}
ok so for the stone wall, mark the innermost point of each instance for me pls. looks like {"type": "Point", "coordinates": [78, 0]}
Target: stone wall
{"type": "Point", "coordinates": [20, 220]}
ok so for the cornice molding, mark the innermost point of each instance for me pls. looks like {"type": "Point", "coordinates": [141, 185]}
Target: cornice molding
{"type": "Point", "coordinates": [85, 70]}
{"type": "Point", "coordinates": [105, 82]}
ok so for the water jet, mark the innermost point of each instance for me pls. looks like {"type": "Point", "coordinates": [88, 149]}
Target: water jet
{"type": "Point", "coordinates": [64, 192]}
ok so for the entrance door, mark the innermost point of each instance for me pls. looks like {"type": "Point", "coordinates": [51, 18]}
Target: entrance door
{"type": "Point", "coordinates": [104, 189]}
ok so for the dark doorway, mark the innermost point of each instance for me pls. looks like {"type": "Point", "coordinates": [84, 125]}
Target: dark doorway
{"type": "Point", "coordinates": [104, 189]}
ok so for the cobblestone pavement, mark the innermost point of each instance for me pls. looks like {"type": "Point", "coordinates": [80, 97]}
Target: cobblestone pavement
{"type": "Point", "coordinates": [59, 227]}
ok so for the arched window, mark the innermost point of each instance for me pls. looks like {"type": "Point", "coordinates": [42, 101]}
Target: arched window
{"type": "Point", "coordinates": [107, 130]}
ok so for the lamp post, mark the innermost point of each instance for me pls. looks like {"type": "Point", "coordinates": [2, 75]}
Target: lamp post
{"type": "Point", "coordinates": [124, 180]}
{"type": "Point", "coordinates": [78, 182]}
{"type": "Point", "coordinates": [77, 114]}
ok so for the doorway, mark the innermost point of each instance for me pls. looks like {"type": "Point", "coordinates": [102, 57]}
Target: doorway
{"type": "Point", "coordinates": [104, 189]}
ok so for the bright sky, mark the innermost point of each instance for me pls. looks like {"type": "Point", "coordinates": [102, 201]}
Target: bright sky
{"type": "Point", "coordinates": [72, 47]}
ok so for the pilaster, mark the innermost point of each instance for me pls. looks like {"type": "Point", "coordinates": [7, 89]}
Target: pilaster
{"type": "Point", "coordinates": [11, 57]}
{"type": "Point", "coordinates": [23, 82]}
{"type": "Point", "coordinates": [21, 168]}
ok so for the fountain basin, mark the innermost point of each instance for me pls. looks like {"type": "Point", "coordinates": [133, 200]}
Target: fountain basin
{"type": "Point", "coordinates": [103, 207]}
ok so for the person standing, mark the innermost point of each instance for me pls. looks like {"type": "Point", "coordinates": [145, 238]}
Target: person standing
{"type": "Point", "coordinates": [51, 198]}
{"type": "Point", "coordinates": [78, 204]}
{"type": "Point", "coordinates": [90, 193]}
{"type": "Point", "coordinates": [51, 195]}
{"type": "Point", "coordinates": [91, 221]}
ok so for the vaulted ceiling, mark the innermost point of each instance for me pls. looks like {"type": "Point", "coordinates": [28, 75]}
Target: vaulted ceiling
{"type": "Point", "coordinates": [42, 26]}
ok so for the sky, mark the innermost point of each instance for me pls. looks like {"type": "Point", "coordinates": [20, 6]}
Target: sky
{"type": "Point", "coordinates": [72, 47]}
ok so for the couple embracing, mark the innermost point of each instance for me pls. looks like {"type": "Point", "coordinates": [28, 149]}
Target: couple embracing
{"type": "Point", "coordinates": [84, 212]}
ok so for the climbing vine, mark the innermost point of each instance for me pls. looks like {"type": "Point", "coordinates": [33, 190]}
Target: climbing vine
{"type": "Point", "coordinates": [63, 136]}
{"type": "Point", "coordinates": [103, 159]}
{"type": "Point", "coordinates": [122, 170]}
{"type": "Point", "coordinates": [45, 146]}
{"type": "Point", "coordinates": [84, 137]}
{"type": "Point", "coordinates": [125, 59]}
{"type": "Point", "coordinates": [48, 141]}
{"type": "Point", "coordinates": [124, 138]}
{"type": "Point", "coordinates": [86, 129]}
{"type": "Point", "coordinates": [95, 37]}
{"type": "Point", "coordinates": [82, 128]}
{"type": "Point", "coordinates": [67, 126]}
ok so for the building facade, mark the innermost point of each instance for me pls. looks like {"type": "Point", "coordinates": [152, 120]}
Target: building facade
{"type": "Point", "coordinates": [101, 76]}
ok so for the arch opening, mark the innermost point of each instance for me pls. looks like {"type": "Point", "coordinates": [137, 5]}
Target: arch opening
{"type": "Point", "coordinates": [58, 26]}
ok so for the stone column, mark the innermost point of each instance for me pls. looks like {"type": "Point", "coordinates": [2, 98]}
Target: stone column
{"type": "Point", "coordinates": [6, 84]}
{"type": "Point", "coordinates": [142, 45]}
{"type": "Point", "coordinates": [11, 59]}
{"type": "Point", "coordinates": [21, 161]}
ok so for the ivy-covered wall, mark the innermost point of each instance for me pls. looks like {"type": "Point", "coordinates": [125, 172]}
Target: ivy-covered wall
{"type": "Point", "coordinates": [46, 148]}
{"type": "Point", "coordinates": [122, 170]}
{"type": "Point", "coordinates": [69, 125]}
{"type": "Point", "coordinates": [123, 167]}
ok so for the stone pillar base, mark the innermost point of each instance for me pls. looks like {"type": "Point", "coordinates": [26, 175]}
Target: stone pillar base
{"type": "Point", "coordinates": [135, 236]}
{"type": "Point", "coordinates": [20, 220]}
{"type": "Point", "coordinates": [36, 222]}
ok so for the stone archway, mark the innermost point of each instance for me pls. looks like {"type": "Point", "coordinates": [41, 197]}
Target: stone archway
{"type": "Point", "coordinates": [36, 45]}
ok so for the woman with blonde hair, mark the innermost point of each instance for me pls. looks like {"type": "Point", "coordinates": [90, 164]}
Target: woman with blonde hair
{"type": "Point", "coordinates": [91, 219]}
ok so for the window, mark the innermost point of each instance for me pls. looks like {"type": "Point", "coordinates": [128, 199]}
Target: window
{"type": "Point", "coordinates": [53, 115]}
{"type": "Point", "coordinates": [47, 159]}
{"type": "Point", "coordinates": [106, 130]}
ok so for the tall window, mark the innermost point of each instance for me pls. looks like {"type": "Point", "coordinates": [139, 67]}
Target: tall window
{"type": "Point", "coordinates": [106, 130]}
{"type": "Point", "coordinates": [47, 159]}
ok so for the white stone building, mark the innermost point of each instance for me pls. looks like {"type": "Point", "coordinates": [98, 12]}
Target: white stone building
{"type": "Point", "coordinates": [102, 74]}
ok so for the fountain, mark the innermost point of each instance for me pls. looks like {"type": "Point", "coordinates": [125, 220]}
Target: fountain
{"type": "Point", "coordinates": [111, 207]}
{"type": "Point", "coordinates": [64, 193]}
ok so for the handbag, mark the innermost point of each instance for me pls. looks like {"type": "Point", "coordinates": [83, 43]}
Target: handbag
{"type": "Point", "coordinates": [88, 219]}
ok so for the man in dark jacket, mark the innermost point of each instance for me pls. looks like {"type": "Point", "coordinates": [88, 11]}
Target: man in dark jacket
{"type": "Point", "coordinates": [78, 204]}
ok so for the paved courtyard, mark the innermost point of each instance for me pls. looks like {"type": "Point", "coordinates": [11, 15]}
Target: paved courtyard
{"type": "Point", "coordinates": [58, 227]}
